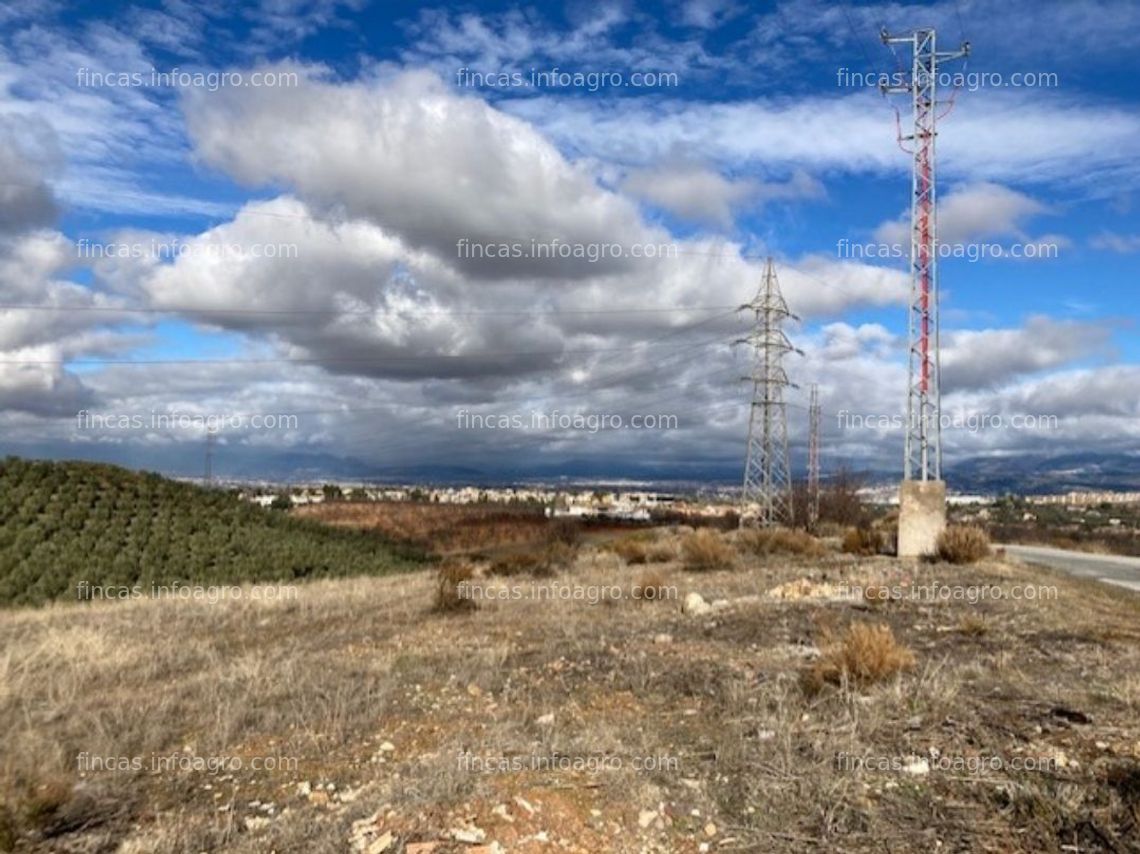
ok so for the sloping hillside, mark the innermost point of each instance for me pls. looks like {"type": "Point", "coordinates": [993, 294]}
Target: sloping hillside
{"type": "Point", "coordinates": [65, 523]}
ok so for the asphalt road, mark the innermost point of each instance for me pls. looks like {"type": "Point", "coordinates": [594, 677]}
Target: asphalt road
{"type": "Point", "coordinates": [1111, 569]}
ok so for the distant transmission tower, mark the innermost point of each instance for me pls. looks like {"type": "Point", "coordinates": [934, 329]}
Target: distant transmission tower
{"type": "Point", "coordinates": [923, 454]}
{"type": "Point", "coordinates": [813, 458]}
{"type": "Point", "coordinates": [767, 473]}
{"type": "Point", "coordinates": [211, 437]}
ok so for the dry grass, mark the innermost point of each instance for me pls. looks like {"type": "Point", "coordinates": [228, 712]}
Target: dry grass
{"type": "Point", "coordinates": [632, 550]}
{"type": "Point", "coordinates": [642, 547]}
{"type": "Point", "coordinates": [862, 541]}
{"type": "Point", "coordinates": [442, 529]}
{"type": "Point", "coordinates": [973, 625]}
{"type": "Point", "coordinates": [651, 586]}
{"type": "Point", "coordinates": [453, 578]}
{"type": "Point", "coordinates": [963, 544]}
{"type": "Point", "coordinates": [705, 550]}
{"type": "Point", "coordinates": [367, 690]}
{"type": "Point", "coordinates": [537, 561]}
{"type": "Point", "coordinates": [781, 541]}
{"type": "Point", "coordinates": [861, 655]}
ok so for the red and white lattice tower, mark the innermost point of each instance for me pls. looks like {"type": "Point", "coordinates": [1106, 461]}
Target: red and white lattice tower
{"type": "Point", "coordinates": [923, 455]}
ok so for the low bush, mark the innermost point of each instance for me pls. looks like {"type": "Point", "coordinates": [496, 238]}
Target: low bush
{"type": "Point", "coordinates": [450, 595]}
{"type": "Point", "coordinates": [705, 550]}
{"type": "Point", "coordinates": [565, 531]}
{"type": "Point", "coordinates": [973, 625]}
{"type": "Point", "coordinates": [540, 562]}
{"type": "Point", "coordinates": [963, 544]}
{"type": "Point", "coordinates": [642, 548]}
{"type": "Point", "coordinates": [651, 587]}
{"type": "Point", "coordinates": [769, 541]}
{"type": "Point", "coordinates": [861, 655]}
{"type": "Point", "coordinates": [862, 541]}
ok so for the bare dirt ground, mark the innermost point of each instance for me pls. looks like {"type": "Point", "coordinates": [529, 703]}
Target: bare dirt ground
{"type": "Point", "coordinates": [353, 717]}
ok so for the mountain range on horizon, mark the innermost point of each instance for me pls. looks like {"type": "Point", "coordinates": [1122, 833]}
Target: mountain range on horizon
{"type": "Point", "coordinates": [1038, 474]}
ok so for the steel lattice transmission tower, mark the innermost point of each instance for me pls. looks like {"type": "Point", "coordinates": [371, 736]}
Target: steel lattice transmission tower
{"type": "Point", "coordinates": [923, 455]}
{"type": "Point", "coordinates": [814, 414]}
{"type": "Point", "coordinates": [767, 472]}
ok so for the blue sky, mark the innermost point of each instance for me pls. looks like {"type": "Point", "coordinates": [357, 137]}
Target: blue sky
{"type": "Point", "coordinates": [378, 156]}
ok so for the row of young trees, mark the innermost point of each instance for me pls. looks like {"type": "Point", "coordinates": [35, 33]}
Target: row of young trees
{"type": "Point", "coordinates": [62, 523]}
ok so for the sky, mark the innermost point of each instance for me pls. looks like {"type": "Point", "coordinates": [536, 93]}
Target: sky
{"type": "Point", "coordinates": [514, 239]}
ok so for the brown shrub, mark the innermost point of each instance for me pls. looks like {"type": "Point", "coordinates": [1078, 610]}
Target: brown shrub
{"type": "Point", "coordinates": [642, 547]}
{"type": "Point", "coordinates": [973, 625]}
{"type": "Point", "coordinates": [450, 595]}
{"type": "Point", "coordinates": [556, 556]}
{"type": "Point", "coordinates": [630, 549]}
{"type": "Point", "coordinates": [863, 654]}
{"type": "Point", "coordinates": [878, 594]}
{"type": "Point", "coordinates": [565, 531]}
{"type": "Point", "coordinates": [963, 544]}
{"type": "Point", "coordinates": [705, 549]}
{"type": "Point", "coordinates": [651, 587]}
{"type": "Point", "coordinates": [8, 829]}
{"type": "Point", "coordinates": [840, 500]}
{"type": "Point", "coordinates": [538, 562]}
{"type": "Point", "coordinates": [862, 541]}
{"type": "Point", "coordinates": [768, 541]}
{"type": "Point", "coordinates": [518, 563]}
{"type": "Point", "coordinates": [441, 529]}
{"type": "Point", "coordinates": [830, 529]}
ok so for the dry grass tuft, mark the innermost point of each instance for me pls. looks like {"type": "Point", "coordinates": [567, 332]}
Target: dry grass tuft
{"type": "Point", "coordinates": [651, 587]}
{"type": "Point", "coordinates": [706, 549]}
{"type": "Point", "coordinates": [567, 532]}
{"type": "Point", "coordinates": [877, 595]}
{"type": "Point", "coordinates": [642, 548]}
{"type": "Point", "coordinates": [963, 544]}
{"type": "Point", "coordinates": [862, 541]}
{"type": "Point", "coordinates": [449, 592]}
{"type": "Point", "coordinates": [538, 562]}
{"type": "Point", "coordinates": [862, 655]}
{"type": "Point", "coordinates": [769, 541]}
{"type": "Point", "coordinates": [632, 550]}
{"type": "Point", "coordinates": [973, 625]}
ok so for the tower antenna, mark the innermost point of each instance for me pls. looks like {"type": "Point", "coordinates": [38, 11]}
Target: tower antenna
{"type": "Point", "coordinates": [922, 496]}
{"type": "Point", "coordinates": [923, 452]}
